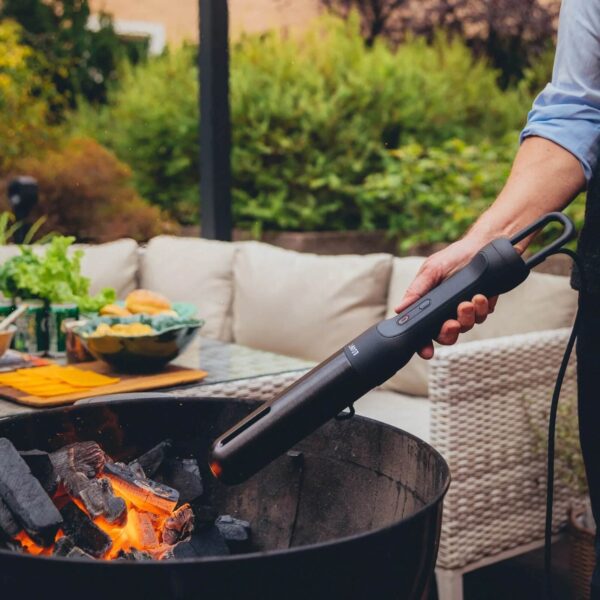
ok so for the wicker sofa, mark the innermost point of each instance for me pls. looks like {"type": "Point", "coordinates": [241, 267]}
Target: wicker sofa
{"type": "Point", "coordinates": [481, 403]}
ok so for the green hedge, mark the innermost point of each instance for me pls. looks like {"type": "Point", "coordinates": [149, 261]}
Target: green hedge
{"type": "Point", "coordinates": [152, 124]}
{"type": "Point", "coordinates": [429, 195]}
{"type": "Point", "coordinates": [327, 134]}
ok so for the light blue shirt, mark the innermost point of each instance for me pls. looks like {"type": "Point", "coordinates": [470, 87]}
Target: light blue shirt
{"type": "Point", "coordinates": [567, 111]}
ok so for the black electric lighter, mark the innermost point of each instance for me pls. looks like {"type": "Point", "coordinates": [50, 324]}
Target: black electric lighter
{"type": "Point", "coordinates": [372, 358]}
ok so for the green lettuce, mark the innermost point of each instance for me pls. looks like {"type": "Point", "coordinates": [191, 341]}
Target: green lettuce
{"type": "Point", "coordinates": [54, 277]}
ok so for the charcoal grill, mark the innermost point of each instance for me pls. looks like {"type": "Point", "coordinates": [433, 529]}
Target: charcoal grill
{"type": "Point", "coordinates": [354, 511]}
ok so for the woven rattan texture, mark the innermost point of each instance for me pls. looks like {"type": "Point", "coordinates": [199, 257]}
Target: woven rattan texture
{"type": "Point", "coordinates": [255, 388]}
{"type": "Point", "coordinates": [490, 401]}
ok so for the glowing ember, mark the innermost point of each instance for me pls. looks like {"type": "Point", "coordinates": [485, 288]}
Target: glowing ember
{"type": "Point", "coordinates": [30, 546]}
{"type": "Point", "coordinates": [152, 524]}
{"type": "Point", "coordinates": [141, 531]}
{"type": "Point", "coordinates": [77, 503]}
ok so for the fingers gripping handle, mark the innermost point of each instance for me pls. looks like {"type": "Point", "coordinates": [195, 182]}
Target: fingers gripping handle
{"type": "Point", "coordinates": [385, 348]}
{"type": "Point", "coordinates": [496, 269]}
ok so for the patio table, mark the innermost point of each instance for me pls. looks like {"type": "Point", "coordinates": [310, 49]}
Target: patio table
{"type": "Point", "coordinates": [233, 371]}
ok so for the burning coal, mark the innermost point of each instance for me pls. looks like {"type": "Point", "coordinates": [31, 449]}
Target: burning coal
{"type": "Point", "coordinates": [77, 502]}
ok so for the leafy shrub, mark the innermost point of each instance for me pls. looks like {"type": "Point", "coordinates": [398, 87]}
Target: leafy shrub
{"type": "Point", "coordinates": [433, 195]}
{"type": "Point", "coordinates": [312, 118]}
{"type": "Point", "coordinates": [538, 74]}
{"type": "Point", "coordinates": [152, 124]}
{"type": "Point", "coordinates": [25, 97]}
{"type": "Point", "coordinates": [430, 195]}
{"type": "Point", "coordinates": [422, 195]}
{"type": "Point", "coordinates": [86, 191]}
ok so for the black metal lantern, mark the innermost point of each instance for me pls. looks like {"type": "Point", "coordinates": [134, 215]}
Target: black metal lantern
{"type": "Point", "coordinates": [23, 197]}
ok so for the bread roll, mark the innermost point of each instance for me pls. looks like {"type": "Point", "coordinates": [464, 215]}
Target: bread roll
{"type": "Point", "coordinates": [114, 310]}
{"type": "Point", "coordinates": [146, 302]}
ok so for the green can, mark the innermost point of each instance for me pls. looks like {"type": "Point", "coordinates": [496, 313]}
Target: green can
{"type": "Point", "coordinates": [58, 317]}
{"type": "Point", "coordinates": [6, 307]}
{"type": "Point", "coordinates": [32, 329]}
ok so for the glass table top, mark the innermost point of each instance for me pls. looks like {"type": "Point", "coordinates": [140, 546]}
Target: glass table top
{"type": "Point", "coordinates": [229, 362]}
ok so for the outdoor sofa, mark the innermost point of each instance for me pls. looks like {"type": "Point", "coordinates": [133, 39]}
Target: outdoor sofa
{"type": "Point", "coordinates": [482, 403]}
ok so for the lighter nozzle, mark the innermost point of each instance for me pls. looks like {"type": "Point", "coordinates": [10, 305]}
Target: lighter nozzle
{"type": "Point", "coordinates": [216, 469]}
{"type": "Point", "coordinates": [276, 426]}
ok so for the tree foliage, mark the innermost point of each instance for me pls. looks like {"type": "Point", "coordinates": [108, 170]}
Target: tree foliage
{"type": "Point", "coordinates": [313, 123]}
{"type": "Point", "coordinates": [25, 99]}
{"type": "Point", "coordinates": [377, 16]}
{"type": "Point", "coordinates": [79, 61]}
{"type": "Point", "coordinates": [511, 33]}
{"type": "Point", "coordinates": [84, 189]}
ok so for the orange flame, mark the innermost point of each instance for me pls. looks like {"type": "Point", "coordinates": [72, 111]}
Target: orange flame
{"type": "Point", "coordinates": [32, 548]}
{"type": "Point", "coordinates": [141, 530]}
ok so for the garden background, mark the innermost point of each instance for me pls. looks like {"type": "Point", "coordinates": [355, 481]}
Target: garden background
{"type": "Point", "coordinates": [388, 115]}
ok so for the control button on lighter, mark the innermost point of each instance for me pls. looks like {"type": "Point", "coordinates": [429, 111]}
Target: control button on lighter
{"type": "Point", "coordinates": [403, 319]}
{"type": "Point", "coordinates": [424, 304]}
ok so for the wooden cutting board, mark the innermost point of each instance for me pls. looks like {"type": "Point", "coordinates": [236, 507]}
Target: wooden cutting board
{"type": "Point", "coordinates": [169, 376]}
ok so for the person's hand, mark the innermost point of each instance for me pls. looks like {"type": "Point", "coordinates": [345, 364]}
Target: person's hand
{"type": "Point", "coordinates": [433, 271]}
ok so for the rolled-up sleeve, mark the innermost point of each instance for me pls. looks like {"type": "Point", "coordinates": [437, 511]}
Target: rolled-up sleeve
{"type": "Point", "coordinates": [567, 111]}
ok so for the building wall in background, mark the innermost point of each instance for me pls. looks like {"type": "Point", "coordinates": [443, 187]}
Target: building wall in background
{"type": "Point", "coordinates": [260, 15]}
{"type": "Point", "coordinates": [179, 18]}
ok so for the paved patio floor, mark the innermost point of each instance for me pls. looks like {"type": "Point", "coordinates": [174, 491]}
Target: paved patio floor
{"type": "Point", "coordinates": [520, 578]}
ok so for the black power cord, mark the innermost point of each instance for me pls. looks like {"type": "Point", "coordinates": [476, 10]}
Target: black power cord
{"type": "Point", "coordinates": [552, 434]}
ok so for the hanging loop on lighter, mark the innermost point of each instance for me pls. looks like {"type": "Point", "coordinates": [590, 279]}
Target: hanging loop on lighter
{"type": "Point", "coordinates": [344, 416]}
{"type": "Point", "coordinates": [566, 236]}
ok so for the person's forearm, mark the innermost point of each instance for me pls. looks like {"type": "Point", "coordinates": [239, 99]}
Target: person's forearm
{"type": "Point", "coordinates": [544, 177]}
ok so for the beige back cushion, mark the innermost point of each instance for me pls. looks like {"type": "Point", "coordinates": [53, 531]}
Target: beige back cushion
{"type": "Point", "coordinates": [305, 305]}
{"type": "Point", "coordinates": [7, 252]}
{"type": "Point", "coordinates": [542, 302]}
{"type": "Point", "coordinates": [193, 270]}
{"type": "Point", "coordinates": [114, 264]}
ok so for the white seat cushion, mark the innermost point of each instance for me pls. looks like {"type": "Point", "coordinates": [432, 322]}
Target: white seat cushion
{"type": "Point", "coordinates": [410, 413]}
{"type": "Point", "coordinates": [305, 305]}
{"type": "Point", "coordinates": [541, 303]}
{"type": "Point", "coordinates": [193, 270]}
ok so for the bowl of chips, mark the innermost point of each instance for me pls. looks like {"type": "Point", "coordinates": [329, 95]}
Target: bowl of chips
{"type": "Point", "coordinates": [6, 337]}
{"type": "Point", "coordinates": [139, 343]}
